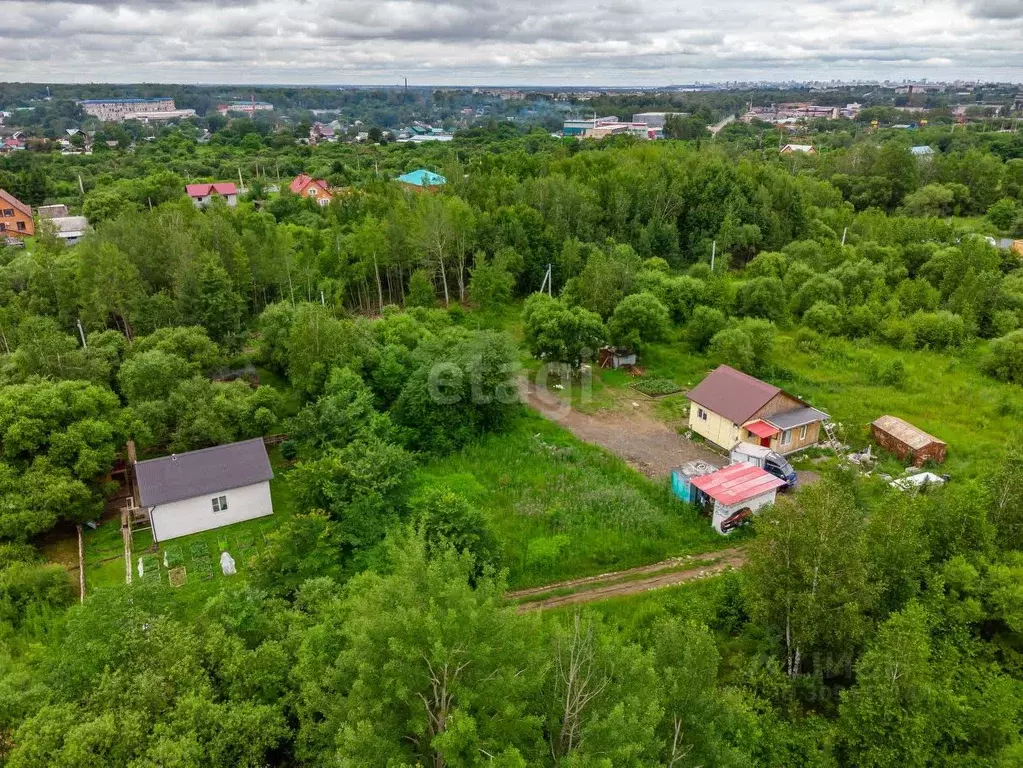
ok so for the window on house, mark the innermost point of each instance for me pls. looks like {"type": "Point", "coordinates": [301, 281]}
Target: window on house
{"type": "Point", "coordinates": [786, 437]}
{"type": "Point", "coordinates": [312, 191]}
{"type": "Point", "coordinates": [219, 503]}
{"type": "Point", "coordinates": [802, 432]}
{"type": "Point", "coordinates": [701, 414]}
{"type": "Point", "coordinates": [8, 212]}
{"type": "Point", "coordinates": [21, 226]}
{"type": "Point", "coordinates": [3, 227]}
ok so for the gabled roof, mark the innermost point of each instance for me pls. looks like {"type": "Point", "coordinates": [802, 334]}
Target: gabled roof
{"type": "Point", "coordinates": [51, 211]}
{"type": "Point", "coordinates": [303, 180]}
{"type": "Point", "coordinates": [737, 483]}
{"type": "Point", "coordinates": [921, 150]}
{"type": "Point", "coordinates": [202, 473]}
{"type": "Point", "coordinates": [70, 225]}
{"type": "Point", "coordinates": [905, 432]}
{"type": "Point", "coordinates": [10, 199]}
{"type": "Point", "coordinates": [220, 187]}
{"type": "Point", "coordinates": [808, 148]}
{"type": "Point", "coordinates": [423, 178]}
{"type": "Point", "coordinates": [732, 394]}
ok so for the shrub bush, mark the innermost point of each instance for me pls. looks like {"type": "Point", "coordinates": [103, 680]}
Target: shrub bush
{"type": "Point", "coordinates": [937, 330]}
{"type": "Point", "coordinates": [1004, 358]}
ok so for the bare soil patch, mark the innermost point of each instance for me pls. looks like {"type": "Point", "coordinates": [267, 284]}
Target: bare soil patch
{"type": "Point", "coordinates": [645, 443]}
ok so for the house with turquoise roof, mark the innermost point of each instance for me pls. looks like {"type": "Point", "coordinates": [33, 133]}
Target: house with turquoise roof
{"type": "Point", "coordinates": [422, 179]}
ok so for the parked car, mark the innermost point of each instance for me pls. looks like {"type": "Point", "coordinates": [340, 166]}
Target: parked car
{"type": "Point", "coordinates": [766, 459]}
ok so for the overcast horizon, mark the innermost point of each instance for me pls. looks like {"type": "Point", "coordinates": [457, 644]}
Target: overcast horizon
{"type": "Point", "coordinates": [465, 43]}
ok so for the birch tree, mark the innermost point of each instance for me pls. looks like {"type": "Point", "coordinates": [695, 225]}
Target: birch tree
{"type": "Point", "coordinates": [808, 577]}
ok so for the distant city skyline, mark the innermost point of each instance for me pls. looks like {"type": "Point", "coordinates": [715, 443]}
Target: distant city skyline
{"type": "Point", "coordinates": [506, 43]}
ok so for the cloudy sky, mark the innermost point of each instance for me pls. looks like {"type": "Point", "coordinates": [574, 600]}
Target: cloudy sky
{"type": "Point", "coordinates": [609, 42]}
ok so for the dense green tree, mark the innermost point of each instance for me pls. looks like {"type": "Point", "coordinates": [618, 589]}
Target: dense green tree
{"type": "Point", "coordinates": [893, 714]}
{"type": "Point", "coordinates": [704, 324]}
{"type": "Point", "coordinates": [362, 485]}
{"type": "Point", "coordinates": [557, 333]}
{"type": "Point", "coordinates": [638, 319]}
{"type": "Point", "coordinates": [419, 666]}
{"type": "Point", "coordinates": [807, 576]}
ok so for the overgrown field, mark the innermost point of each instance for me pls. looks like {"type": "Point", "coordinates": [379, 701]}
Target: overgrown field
{"type": "Point", "coordinates": [561, 508]}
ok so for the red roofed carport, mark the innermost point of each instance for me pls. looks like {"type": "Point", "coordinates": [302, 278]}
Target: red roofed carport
{"type": "Point", "coordinates": [737, 491]}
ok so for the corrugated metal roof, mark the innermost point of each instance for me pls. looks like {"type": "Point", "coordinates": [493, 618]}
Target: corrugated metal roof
{"type": "Point", "coordinates": [204, 472]}
{"type": "Point", "coordinates": [737, 483]}
{"type": "Point", "coordinates": [732, 394]}
{"type": "Point", "coordinates": [905, 432]}
{"type": "Point", "coordinates": [796, 418]}
{"type": "Point", "coordinates": [220, 187]}
{"type": "Point", "coordinates": [761, 428]}
{"type": "Point", "coordinates": [423, 178]}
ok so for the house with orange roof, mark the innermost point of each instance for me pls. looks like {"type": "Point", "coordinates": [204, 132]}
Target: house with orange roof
{"type": "Point", "coordinates": [305, 185]}
{"type": "Point", "coordinates": [15, 217]}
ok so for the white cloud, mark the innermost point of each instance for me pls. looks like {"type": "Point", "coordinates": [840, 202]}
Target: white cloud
{"type": "Point", "coordinates": [510, 41]}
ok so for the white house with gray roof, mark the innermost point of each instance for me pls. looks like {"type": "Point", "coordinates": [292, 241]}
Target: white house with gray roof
{"type": "Point", "coordinates": [201, 490]}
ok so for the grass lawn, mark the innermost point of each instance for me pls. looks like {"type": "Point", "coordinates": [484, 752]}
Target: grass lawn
{"type": "Point", "coordinates": [292, 401]}
{"type": "Point", "coordinates": [562, 508]}
{"type": "Point", "coordinates": [943, 393]}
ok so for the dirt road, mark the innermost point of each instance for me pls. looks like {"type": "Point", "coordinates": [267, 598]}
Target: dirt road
{"type": "Point", "coordinates": [646, 444]}
{"type": "Point", "coordinates": [631, 582]}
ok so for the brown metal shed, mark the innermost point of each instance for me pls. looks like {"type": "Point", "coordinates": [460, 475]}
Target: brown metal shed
{"type": "Point", "coordinates": [906, 441]}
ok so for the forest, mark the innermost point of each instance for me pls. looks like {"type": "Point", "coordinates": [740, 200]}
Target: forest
{"type": "Point", "coordinates": [389, 331]}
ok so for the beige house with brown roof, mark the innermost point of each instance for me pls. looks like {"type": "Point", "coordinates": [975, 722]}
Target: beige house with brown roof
{"type": "Point", "coordinates": [730, 407]}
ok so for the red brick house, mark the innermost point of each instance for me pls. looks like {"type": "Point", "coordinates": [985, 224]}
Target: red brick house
{"type": "Point", "coordinates": [15, 217]}
{"type": "Point", "coordinates": [315, 189]}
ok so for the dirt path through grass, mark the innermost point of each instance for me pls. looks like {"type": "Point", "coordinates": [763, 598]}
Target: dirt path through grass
{"type": "Point", "coordinates": [677, 570]}
{"type": "Point", "coordinates": [643, 442]}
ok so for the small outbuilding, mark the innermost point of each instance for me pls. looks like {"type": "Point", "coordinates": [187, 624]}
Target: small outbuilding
{"type": "Point", "coordinates": [736, 492]}
{"type": "Point", "coordinates": [616, 357]}
{"type": "Point", "coordinates": [201, 490]}
{"type": "Point", "coordinates": [906, 441]}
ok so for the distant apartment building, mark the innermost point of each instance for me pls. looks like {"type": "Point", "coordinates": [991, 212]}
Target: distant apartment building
{"type": "Point", "coordinates": [249, 108]}
{"type": "Point", "coordinates": [119, 110]}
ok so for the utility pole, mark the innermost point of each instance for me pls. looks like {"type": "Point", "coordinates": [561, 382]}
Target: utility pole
{"type": "Point", "coordinates": [844, 233]}
{"type": "Point", "coordinates": [81, 187]}
{"type": "Point", "coordinates": [81, 333]}
{"type": "Point", "coordinates": [713, 253]}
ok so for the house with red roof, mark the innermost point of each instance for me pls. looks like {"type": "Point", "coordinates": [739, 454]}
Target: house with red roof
{"type": "Point", "coordinates": [15, 217]}
{"type": "Point", "coordinates": [730, 407]}
{"type": "Point", "coordinates": [13, 143]}
{"type": "Point", "coordinates": [203, 194]}
{"type": "Point", "coordinates": [735, 493]}
{"type": "Point", "coordinates": [305, 185]}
